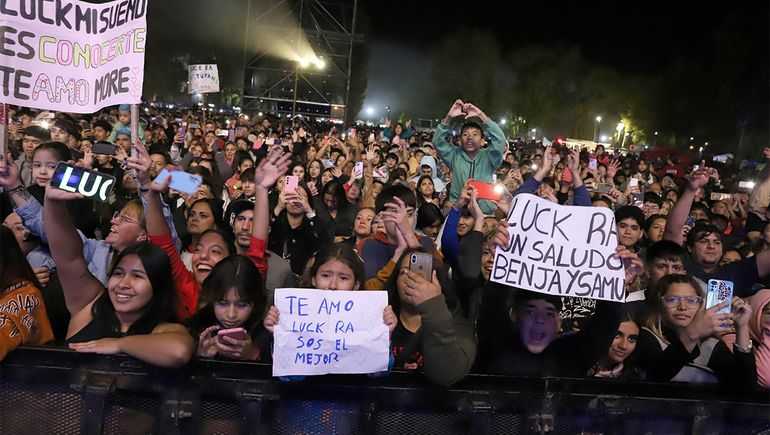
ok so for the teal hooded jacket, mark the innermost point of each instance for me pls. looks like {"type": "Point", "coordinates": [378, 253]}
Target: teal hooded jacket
{"type": "Point", "coordinates": [480, 168]}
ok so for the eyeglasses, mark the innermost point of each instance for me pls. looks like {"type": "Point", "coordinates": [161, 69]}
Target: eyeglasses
{"type": "Point", "coordinates": [118, 216]}
{"type": "Point", "coordinates": [673, 301]}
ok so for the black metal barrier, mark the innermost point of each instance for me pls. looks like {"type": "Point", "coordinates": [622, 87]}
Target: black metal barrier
{"type": "Point", "coordinates": [44, 390]}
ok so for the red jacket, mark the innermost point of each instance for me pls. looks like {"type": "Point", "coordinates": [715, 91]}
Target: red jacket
{"type": "Point", "coordinates": [187, 289]}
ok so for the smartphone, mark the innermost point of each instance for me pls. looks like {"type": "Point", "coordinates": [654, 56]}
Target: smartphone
{"type": "Point", "coordinates": [103, 147]}
{"type": "Point", "coordinates": [593, 164]}
{"type": "Point", "coordinates": [352, 132]}
{"type": "Point", "coordinates": [695, 167]}
{"type": "Point", "coordinates": [515, 167]}
{"type": "Point", "coordinates": [690, 222]}
{"type": "Point", "coordinates": [290, 185]}
{"type": "Point", "coordinates": [231, 135]}
{"type": "Point", "coordinates": [358, 170]}
{"type": "Point", "coordinates": [193, 126]}
{"type": "Point", "coordinates": [746, 184]}
{"type": "Point", "coordinates": [311, 185]}
{"type": "Point", "coordinates": [91, 184]}
{"type": "Point", "coordinates": [257, 144]}
{"type": "Point", "coordinates": [718, 196]}
{"type": "Point", "coordinates": [633, 182]}
{"type": "Point", "coordinates": [236, 333]}
{"type": "Point", "coordinates": [276, 141]}
{"type": "Point", "coordinates": [638, 200]}
{"type": "Point", "coordinates": [180, 180]}
{"type": "Point", "coordinates": [222, 132]}
{"type": "Point", "coordinates": [492, 192]}
{"type": "Point", "coordinates": [183, 129]}
{"type": "Point", "coordinates": [718, 291]}
{"type": "Point", "coordinates": [328, 164]}
{"type": "Point", "coordinates": [604, 188]}
{"type": "Point", "coordinates": [421, 263]}
{"type": "Point", "coordinates": [371, 137]}
{"type": "Point", "coordinates": [566, 176]}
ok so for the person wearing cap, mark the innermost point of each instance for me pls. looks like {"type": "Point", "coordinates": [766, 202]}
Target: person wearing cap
{"type": "Point", "coordinates": [238, 219]}
{"type": "Point", "coordinates": [470, 160]}
{"type": "Point", "coordinates": [123, 139]}
{"type": "Point", "coordinates": [124, 121]}
{"type": "Point", "coordinates": [32, 137]}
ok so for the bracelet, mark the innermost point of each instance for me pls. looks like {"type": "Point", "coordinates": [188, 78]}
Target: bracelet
{"type": "Point", "coordinates": [16, 189]}
{"type": "Point", "coordinates": [743, 349]}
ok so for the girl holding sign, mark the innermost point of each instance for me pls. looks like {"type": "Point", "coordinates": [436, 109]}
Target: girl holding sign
{"type": "Point", "coordinates": [334, 267]}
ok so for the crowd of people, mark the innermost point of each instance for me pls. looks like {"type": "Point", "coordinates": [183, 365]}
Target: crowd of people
{"type": "Point", "coordinates": [155, 273]}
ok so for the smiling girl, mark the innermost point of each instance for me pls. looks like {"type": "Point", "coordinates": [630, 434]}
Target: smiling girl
{"type": "Point", "coordinates": [678, 341]}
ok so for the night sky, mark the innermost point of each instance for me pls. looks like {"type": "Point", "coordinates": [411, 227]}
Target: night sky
{"type": "Point", "coordinates": [639, 38]}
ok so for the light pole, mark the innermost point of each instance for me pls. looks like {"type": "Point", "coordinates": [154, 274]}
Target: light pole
{"type": "Point", "coordinates": [596, 127]}
{"type": "Point", "coordinates": [302, 62]}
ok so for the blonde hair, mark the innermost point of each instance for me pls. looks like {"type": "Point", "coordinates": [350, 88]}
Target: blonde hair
{"type": "Point", "coordinates": [655, 308]}
{"type": "Point", "coordinates": [135, 207]}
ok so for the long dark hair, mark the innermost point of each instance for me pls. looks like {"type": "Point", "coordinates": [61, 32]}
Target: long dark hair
{"type": "Point", "coordinates": [235, 272]}
{"type": "Point", "coordinates": [341, 252]}
{"type": "Point", "coordinates": [163, 304]}
{"type": "Point", "coordinates": [334, 187]}
{"type": "Point", "coordinates": [15, 268]}
{"type": "Point", "coordinates": [453, 304]}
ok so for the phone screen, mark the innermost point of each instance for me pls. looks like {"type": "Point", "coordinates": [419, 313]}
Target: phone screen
{"type": "Point", "coordinates": [180, 180]}
{"type": "Point", "coordinates": [91, 184]}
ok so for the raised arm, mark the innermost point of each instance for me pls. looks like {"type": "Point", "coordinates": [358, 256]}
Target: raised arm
{"type": "Point", "coordinates": [445, 148]}
{"type": "Point", "coordinates": [679, 212]}
{"type": "Point", "coordinates": [79, 285]}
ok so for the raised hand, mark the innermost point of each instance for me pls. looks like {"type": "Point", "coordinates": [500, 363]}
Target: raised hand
{"type": "Point", "coordinates": [9, 173]}
{"type": "Point", "coordinates": [418, 289]}
{"type": "Point", "coordinates": [473, 111]}
{"type": "Point", "coordinates": [699, 178]}
{"type": "Point", "coordinates": [741, 312]}
{"type": "Point", "coordinates": [389, 319]}
{"type": "Point", "coordinates": [708, 322]}
{"type": "Point", "coordinates": [612, 169]}
{"type": "Point", "coordinates": [270, 169]}
{"type": "Point", "coordinates": [271, 319]}
{"type": "Point", "coordinates": [457, 110]}
{"type": "Point", "coordinates": [55, 194]}
{"type": "Point", "coordinates": [141, 163]}
{"type": "Point", "coordinates": [632, 264]}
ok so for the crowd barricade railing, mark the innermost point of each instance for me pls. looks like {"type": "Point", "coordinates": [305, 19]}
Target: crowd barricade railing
{"type": "Point", "coordinates": [52, 390]}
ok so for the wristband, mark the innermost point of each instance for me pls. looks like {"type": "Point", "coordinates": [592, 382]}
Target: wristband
{"type": "Point", "coordinates": [16, 189]}
{"type": "Point", "coordinates": [743, 349]}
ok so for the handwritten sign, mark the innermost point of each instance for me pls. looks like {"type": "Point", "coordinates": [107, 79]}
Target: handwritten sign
{"type": "Point", "coordinates": [204, 79]}
{"type": "Point", "coordinates": [322, 331]}
{"type": "Point", "coordinates": [70, 55]}
{"type": "Point", "coordinates": [561, 250]}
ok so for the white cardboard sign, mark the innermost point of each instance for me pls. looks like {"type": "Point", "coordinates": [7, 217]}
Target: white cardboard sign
{"type": "Point", "coordinates": [323, 331]}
